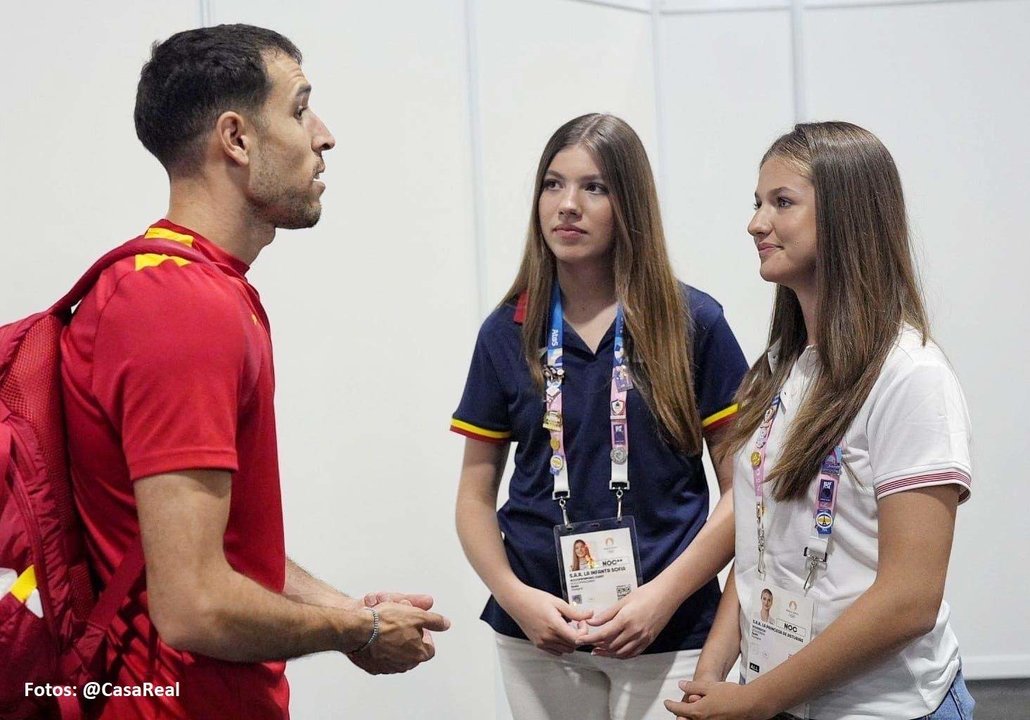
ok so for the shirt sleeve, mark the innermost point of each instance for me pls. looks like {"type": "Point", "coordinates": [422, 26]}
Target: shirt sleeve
{"type": "Point", "coordinates": [919, 430]}
{"type": "Point", "coordinates": [482, 413]}
{"type": "Point", "coordinates": [170, 368]}
{"type": "Point", "coordinates": [719, 364]}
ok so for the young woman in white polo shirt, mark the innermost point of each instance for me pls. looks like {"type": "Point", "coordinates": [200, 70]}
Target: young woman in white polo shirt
{"type": "Point", "coordinates": [852, 454]}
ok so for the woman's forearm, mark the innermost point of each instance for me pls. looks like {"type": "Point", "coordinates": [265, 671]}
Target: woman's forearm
{"type": "Point", "coordinates": [709, 552]}
{"type": "Point", "coordinates": [722, 647]}
{"type": "Point", "coordinates": [480, 538]}
{"type": "Point", "coordinates": [915, 535]}
{"type": "Point", "coordinates": [702, 560]}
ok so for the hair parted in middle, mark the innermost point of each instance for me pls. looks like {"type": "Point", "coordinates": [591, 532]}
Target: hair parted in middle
{"type": "Point", "coordinates": [658, 339]}
{"type": "Point", "coordinates": [867, 289]}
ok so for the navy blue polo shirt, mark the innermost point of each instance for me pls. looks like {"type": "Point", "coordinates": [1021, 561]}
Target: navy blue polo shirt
{"type": "Point", "coordinates": [668, 494]}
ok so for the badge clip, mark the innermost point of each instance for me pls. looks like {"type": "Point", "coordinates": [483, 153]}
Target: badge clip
{"type": "Point", "coordinates": [816, 551]}
{"type": "Point", "coordinates": [620, 487]}
{"type": "Point", "coordinates": [564, 512]}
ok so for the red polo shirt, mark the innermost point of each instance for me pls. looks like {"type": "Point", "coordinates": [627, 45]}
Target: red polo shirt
{"type": "Point", "coordinates": [167, 366]}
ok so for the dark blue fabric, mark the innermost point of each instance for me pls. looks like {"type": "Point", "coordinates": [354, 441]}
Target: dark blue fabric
{"type": "Point", "coordinates": [669, 493]}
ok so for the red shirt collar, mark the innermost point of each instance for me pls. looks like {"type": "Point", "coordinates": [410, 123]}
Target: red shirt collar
{"type": "Point", "coordinates": [168, 230]}
{"type": "Point", "coordinates": [520, 307]}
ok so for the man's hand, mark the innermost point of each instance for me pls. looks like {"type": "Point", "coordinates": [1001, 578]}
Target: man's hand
{"type": "Point", "coordinates": [402, 643]}
{"type": "Point", "coordinates": [419, 600]}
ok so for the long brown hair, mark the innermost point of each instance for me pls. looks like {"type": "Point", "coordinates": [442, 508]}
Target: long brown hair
{"type": "Point", "coordinates": [658, 339]}
{"type": "Point", "coordinates": [867, 288]}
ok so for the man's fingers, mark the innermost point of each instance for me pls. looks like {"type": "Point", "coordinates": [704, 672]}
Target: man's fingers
{"type": "Point", "coordinates": [419, 600]}
{"type": "Point", "coordinates": [430, 649]}
{"type": "Point", "coordinates": [435, 622]}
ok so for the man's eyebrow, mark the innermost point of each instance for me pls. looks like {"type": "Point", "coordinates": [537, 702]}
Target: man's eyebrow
{"type": "Point", "coordinates": [303, 90]}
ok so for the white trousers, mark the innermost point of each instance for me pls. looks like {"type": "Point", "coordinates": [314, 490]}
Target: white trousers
{"type": "Point", "coordinates": [580, 686]}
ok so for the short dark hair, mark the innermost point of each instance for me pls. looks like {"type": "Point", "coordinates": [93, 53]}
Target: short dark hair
{"type": "Point", "coordinates": [196, 75]}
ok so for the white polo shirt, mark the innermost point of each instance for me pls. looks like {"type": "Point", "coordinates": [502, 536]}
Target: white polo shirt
{"type": "Point", "coordinates": [912, 431]}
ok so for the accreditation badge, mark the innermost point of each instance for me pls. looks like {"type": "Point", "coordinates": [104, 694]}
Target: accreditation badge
{"type": "Point", "coordinates": [780, 624]}
{"type": "Point", "coordinates": [598, 562]}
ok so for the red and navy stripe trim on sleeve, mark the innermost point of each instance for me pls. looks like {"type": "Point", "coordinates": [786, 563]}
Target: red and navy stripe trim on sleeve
{"type": "Point", "coordinates": [941, 477]}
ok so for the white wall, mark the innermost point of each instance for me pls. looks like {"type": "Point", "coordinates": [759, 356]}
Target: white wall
{"type": "Point", "coordinates": [73, 178]}
{"type": "Point", "coordinates": [375, 310]}
{"type": "Point", "coordinates": [941, 84]}
{"type": "Point", "coordinates": [371, 315]}
{"type": "Point", "coordinates": [944, 86]}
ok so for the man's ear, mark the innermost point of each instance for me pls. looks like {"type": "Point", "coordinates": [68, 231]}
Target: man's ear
{"type": "Point", "coordinates": [235, 136]}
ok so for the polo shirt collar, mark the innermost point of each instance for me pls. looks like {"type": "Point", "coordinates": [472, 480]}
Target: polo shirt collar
{"type": "Point", "coordinates": [520, 307]}
{"type": "Point", "coordinates": [520, 317]}
{"type": "Point", "coordinates": [808, 357]}
{"type": "Point", "coordinates": [165, 229]}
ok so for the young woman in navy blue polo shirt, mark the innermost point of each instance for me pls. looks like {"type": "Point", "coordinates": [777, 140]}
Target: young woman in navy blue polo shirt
{"type": "Point", "coordinates": [608, 422]}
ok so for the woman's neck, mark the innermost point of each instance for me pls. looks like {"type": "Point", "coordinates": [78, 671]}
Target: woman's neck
{"type": "Point", "coordinates": [809, 302]}
{"type": "Point", "coordinates": [587, 291]}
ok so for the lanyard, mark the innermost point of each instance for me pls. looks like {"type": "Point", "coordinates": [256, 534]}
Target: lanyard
{"type": "Point", "coordinates": [817, 550]}
{"type": "Point", "coordinates": [554, 373]}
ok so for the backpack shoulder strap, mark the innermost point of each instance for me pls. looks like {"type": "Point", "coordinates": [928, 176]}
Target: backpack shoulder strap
{"type": "Point", "coordinates": [136, 246]}
{"type": "Point", "coordinates": [128, 572]}
{"type": "Point", "coordinates": [85, 651]}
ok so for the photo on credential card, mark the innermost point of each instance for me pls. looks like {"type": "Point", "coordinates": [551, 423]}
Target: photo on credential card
{"type": "Point", "coordinates": [598, 562]}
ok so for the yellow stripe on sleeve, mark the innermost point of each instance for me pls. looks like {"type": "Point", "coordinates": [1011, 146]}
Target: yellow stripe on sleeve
{"type": "Point", "coordinates": [161, 233]}
{"type": "Point", "coordinates": [25, 584]}
{"type": "Point", "coordinates": [457, 424]}
{"type": "Point", "coordinates": [721, 415]}
{"type": "Point", "coordinates": [153, 260]}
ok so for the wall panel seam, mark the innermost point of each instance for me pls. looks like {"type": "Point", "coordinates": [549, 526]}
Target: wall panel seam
{"type": "Point", "coordinates": [476, 156]}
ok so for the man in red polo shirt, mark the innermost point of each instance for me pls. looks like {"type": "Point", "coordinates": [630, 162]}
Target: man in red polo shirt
{"type": "Point", "coordinates": [168, 383]}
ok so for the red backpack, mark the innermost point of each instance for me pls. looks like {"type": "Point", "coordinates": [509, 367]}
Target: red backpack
{"type": "Point", "coordinates": [44, 662]}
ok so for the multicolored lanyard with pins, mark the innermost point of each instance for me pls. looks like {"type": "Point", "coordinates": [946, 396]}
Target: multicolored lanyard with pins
{"type": "Point", "coordinates": [554, 373]}
{"type": "Point", "coordinates": [817, 550]}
